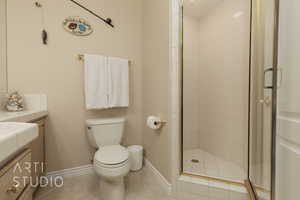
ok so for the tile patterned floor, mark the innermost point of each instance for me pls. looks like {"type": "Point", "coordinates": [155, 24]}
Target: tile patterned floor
{"type": "Point", "coordinates": [140, 186]}
{"type": "Point", "coordinates": [212, 166]}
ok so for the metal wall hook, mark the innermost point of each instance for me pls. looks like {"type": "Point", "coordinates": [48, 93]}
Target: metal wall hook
{"type": "Point", "coordinates": [37, 4]}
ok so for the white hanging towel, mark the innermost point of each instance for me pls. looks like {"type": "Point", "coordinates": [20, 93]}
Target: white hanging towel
{"type": "Point", "coordinates": [118, 70]}
{"type": "Point", "coordinates": [96, 82]}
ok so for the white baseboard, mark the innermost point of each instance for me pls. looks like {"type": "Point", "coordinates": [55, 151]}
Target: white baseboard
{"type": "Point", "coordinates": [72, 172]}
{"type": "Point", "coordinates": [88, 169]}
{"type": "Point", "coordinates": [163, 182]}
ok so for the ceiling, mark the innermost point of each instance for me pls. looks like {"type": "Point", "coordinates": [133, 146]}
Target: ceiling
{"type": "Point", "coordinates": [198, 8]}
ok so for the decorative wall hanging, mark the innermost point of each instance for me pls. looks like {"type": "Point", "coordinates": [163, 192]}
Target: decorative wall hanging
{"type": "Point", "coordinates": [77, 26]}
{"type": "Point", "coordinates": [14, 102]}
{"type": "Point", "coordinates": [44, 32]}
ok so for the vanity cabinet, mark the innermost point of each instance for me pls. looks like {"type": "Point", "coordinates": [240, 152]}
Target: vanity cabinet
{"type": "Point", "coordinates": [38, 154]}
{"type": "Point", "coordinates": [28, 163]}
{"type": "Point", "coordinates": [12, 183]}
{"type": "Point", "coordinates": [27, 194]}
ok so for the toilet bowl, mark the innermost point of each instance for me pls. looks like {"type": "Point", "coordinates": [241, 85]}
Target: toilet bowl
{"type": "Point", "coordinates": [111, 161]}
{"type": "Point", "coordinates": [112, 164]}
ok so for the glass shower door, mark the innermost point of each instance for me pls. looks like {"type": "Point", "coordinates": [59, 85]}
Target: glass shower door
{"type": "Point", "coordinates": [215, 90]}
{"type": "Point", "coordinates": [262, 95]}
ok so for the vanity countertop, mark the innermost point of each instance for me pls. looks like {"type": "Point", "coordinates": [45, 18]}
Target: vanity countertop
{"type": "Point", "coordinates": [22, 116]}
{"type": "Point", "coordinates": [36, 107]}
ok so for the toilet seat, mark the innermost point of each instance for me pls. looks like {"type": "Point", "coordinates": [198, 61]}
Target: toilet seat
{"type": "Point", "coordinates": [99, 164]}
{"type": "Point", "coordinates": [111, 166]}
{"type": "Point", "coordinates": [113, 156]}
{"type": "Point", "coordinates": [112, 162]}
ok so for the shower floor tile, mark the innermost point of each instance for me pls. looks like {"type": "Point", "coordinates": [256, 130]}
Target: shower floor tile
{"type": "Point", "coordinates": [199, 162]}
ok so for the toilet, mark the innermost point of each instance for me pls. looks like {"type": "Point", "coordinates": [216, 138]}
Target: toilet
{"type": "Point", "coordinates": [111, 161]}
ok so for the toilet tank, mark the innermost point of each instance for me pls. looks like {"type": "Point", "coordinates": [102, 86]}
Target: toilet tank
{"type": "Point", "coordinates": [104, 132]}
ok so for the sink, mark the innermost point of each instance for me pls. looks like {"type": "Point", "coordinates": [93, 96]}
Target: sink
{"type": "Point", "coordinates": [14, 136]}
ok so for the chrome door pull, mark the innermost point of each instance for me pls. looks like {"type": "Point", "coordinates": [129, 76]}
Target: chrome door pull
{"type": "Point", "coordinates": [266, 71]}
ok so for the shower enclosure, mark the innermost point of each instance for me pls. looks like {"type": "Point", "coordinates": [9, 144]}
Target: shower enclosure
{"type": "Point", "coordinates": [229, 55]}
{"type": "Point", "coordinates": [216, 48]}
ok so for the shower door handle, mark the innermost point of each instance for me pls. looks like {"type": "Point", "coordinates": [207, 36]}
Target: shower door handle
{"type": "Point", "coordinates": [266, 101]}
{"type": "Point", "coordinates": [266, 72]}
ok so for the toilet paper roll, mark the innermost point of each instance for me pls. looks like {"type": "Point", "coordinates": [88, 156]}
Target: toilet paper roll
{"type": "Point", "coordinates": [154, 122]}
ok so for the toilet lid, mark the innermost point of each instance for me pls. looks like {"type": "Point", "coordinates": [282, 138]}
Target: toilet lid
{"type": "Point", "coordinates": [111, 155]}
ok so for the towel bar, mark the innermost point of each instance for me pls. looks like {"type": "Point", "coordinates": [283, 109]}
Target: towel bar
{"type": "Point", "coordinates": [81, 57]}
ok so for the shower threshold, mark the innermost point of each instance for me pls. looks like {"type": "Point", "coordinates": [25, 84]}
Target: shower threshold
{"type": "Point", "coordinates": [206, 165]}
{"type": "Point", "coordinates": [198, 187]}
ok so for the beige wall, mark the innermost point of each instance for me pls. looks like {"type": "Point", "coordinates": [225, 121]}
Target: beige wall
{"type": "Point", "coordinates": [2, 100]}
{"type": "Point", "coordinates": [156, 81]}
{"type": "Point", "coordinates": [221, 86]}
{"type": "Point", "coordinates": [54, 69]}
{"type": "Point", "coordinates": [3, 83]}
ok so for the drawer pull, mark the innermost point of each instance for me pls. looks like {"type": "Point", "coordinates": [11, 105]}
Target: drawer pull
{"type": "Point", "coordinates": [13, 189]}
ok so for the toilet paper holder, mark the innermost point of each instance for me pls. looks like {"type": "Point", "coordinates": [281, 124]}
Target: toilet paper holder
{"type": "Point", "coordinates": [162, 122]}
{"type": "Point", "coordinates": [155, 122]}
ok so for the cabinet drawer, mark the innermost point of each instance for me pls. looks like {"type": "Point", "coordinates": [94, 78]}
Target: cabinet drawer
{"type": "Point", "coordinates": [27, 194]}
{"type": "Point", "coordinates": [15, 177]}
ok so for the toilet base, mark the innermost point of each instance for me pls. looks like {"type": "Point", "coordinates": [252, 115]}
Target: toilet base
{"type": "Point", "coordinates": [113, 189]}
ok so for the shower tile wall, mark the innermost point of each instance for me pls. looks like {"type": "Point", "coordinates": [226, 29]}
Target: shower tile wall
{"type": "Point", "coordinates": [191, 63]}
{"type": "Point", "coordinates": [215, 74]}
